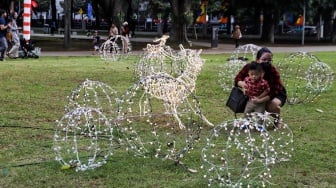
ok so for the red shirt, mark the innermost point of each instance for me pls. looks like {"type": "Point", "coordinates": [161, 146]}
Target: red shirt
{"type": "Point", "coordinates": [254, 89]}
{"type": "Point", "coordinates": [271, 75]}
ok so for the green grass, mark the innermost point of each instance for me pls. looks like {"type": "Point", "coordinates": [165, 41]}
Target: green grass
{"type": "Point", "coordinates": [33, 96]}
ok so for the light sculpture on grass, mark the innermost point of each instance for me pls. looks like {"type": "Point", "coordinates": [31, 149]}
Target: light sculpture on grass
{"type": "Point", "coordinates": [235, 63]}
{"type": "Point", "coordinates": [95, 94]}
{"type": "Point", "coordinates": [115, 47]}
{"type": "Point", "coordinates": [152, 126]}
{"type": "Point", "coordinates": [166, 106]}
{"type": "Point", "coordinates": [319, 77]}
{"type": "Point", "coordinates": [83, 139]}
{"type": "Point", "coordinates": [241, 152]}
{"type": "Point", "coordinates": [158, 58]}
{"type": "Point", "coordinates": [304, 76]}
{"type": "Point", "coordinates": [85, 132]}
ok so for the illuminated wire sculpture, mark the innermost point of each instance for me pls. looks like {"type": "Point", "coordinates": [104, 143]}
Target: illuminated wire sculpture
{"type": "Point", "coordinates": [83, 139]}
{"type": "Point", "coordinates": [157, 78]}
{"type": "Point", "coordinates": [94, 94]}
{"type": "Point", "coordinates": [319, 77]}
{"type": "Point", "coordinates": [115, 47]}
{"type": "Point", "coordinates": [304, 76]}
{"type": "Point", "coordinates": [165, 104]}
{"type": "Point", "coordinates": [152, 127]}
{"type": "Point", "coordinates": [240, 152]}
{"type": "Point", "coordinates": [158, 58]}
{"type": "Point", "coordinates": [235, 63]}
{"type": "Point", "coordinates": [85, 132]}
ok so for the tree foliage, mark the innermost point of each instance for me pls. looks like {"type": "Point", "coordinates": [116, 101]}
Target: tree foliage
{"type": "Point", "coordinates": [183, 12]}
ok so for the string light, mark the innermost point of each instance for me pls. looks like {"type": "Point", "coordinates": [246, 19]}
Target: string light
{"type": "Point", "coordinates": [113, 48]}
{"type": "Point", "coordinates": [235, 63]}
{"type": "Point", "coordinates": [83, 139]}
{"type": "Point", "coordinates": [240, 152]}
{"type": "Point", "coordinates": [305, 77]}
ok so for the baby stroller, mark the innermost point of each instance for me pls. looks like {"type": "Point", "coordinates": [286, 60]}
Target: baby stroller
{"type": "Point", "coordinates": [28, 49]}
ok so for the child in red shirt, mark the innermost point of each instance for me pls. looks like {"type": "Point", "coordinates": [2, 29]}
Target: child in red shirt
{"type": "Point", "coordinates": [256, 88]}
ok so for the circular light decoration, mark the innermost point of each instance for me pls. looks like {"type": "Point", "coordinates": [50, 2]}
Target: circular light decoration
{"type": "Point", "coordinates": [319, 77]}
{"type": "Point", "coordinates": [160, 117]}
{"type": "Point", "coordinates": [304, 77]}
{"type": "Point", "coordinates": [240, 152]}
{"type": "Point", "coordinates": [94, 94]}
{"type": "Point", "coordinates": [235, 63]}
{"type": "Point", "coordinates": [83, 139]}
{"type": "Point", "coordinates": [113, 48]}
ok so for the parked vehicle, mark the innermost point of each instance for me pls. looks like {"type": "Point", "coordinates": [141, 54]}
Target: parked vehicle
{"type": "Point", "coordinates": [309, 30]}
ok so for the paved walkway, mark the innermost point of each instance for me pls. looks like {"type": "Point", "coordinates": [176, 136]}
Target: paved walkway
{"type": "Point", "coordinates": [220, 49]}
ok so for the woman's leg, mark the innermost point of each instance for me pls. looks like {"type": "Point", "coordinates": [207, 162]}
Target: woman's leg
{"type": "Point", "coordinates": [274, 106]}
{"type": "Point", "coordinates": [14, 51]}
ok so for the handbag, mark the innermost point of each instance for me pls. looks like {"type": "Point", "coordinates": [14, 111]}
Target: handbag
{"type": "Point", "coordinates": [9, 36]}
{"type": "Point", "coordinates": [237, 100]}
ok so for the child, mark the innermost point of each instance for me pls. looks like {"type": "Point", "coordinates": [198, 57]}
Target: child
{"type": "Point", "coordinates": [236, 35]}
{"type": "Point", "coordinates": [95, 42]}
{"type": "Point", "coordinates": [256, 88]}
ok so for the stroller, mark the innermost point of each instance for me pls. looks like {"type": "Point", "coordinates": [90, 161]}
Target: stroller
{"type": "Point", "coordinates": [28, 49]}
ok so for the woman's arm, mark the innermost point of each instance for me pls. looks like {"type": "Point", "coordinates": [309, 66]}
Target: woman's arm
{"type": "Point", "coordinates": [239, 80]}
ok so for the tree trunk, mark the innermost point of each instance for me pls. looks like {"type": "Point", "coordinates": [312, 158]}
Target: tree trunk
{"type": "Point", "coordinates": [268, 28]}
{"type": "Point", "coordinates": [180, 9]}
{"type": "Point", "coordinates": [96, 12]}
{"type": "Point", "coordinates": [67, 24]}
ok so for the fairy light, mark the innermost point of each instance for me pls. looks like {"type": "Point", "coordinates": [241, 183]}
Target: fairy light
{"type": "Point", "coordinates": [305, 77]}
{"type": "Point", "coordinates": [151, 125]}
{"type": "Point", "coordinates": [319, 77]}
{"type": "Point", "coordinates": [83, 139]}
{"type": "Point", "coordinates": [94, 94]}
{"type": "Point", "coordinates": [160, 116]}
{"type": "Point", "coordinates": [241, 152]}
{"type": "Point", "coordinates": [162, 101]}
{"type": "Point", "coordinates": [113, 48]}
{"type": "Point", "coordinates": [239, 57]}
{"type": "Point", "coordinates": [160, 58]}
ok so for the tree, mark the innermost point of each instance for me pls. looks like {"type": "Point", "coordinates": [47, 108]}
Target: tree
{"type": "Point", "coordinates": [67, 23]}
{"type": "Point", "coordinates": [180, 19]}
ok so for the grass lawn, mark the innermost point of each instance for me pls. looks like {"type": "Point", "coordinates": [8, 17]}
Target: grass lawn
{"type": "Point", "coordinates": [33, 95]}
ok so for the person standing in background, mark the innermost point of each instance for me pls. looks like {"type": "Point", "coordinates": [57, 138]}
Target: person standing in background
{"type": "Point", "coordinates": [125, 29]}
{"type": "Point", "coordinates": [237, 35]}
{"type": "Point", "coordinates": [113, 31]}
{"type": "Point", "coordinates": [95, 42]}
{"type": "Point", "coordinates": [14, 51]}
{"type": "Point", "coordinates": [3, 30]}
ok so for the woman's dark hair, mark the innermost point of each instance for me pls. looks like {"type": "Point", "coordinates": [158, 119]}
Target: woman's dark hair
{"type": "Point", "coordinates": [261, 51]}
{"type": "Point", "coordinates": [2, 11]}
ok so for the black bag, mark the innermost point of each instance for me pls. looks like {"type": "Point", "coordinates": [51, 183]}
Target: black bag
{"type": "Point", "coordinates": [237, 100]}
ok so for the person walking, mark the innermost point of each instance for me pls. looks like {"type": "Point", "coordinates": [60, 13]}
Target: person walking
{"type": "Point", "coordinates": [14, 51]}
{"type": "Point", "coordinates": [3, 30]}
{"type": "Point", "coordinates": [237, 35]}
